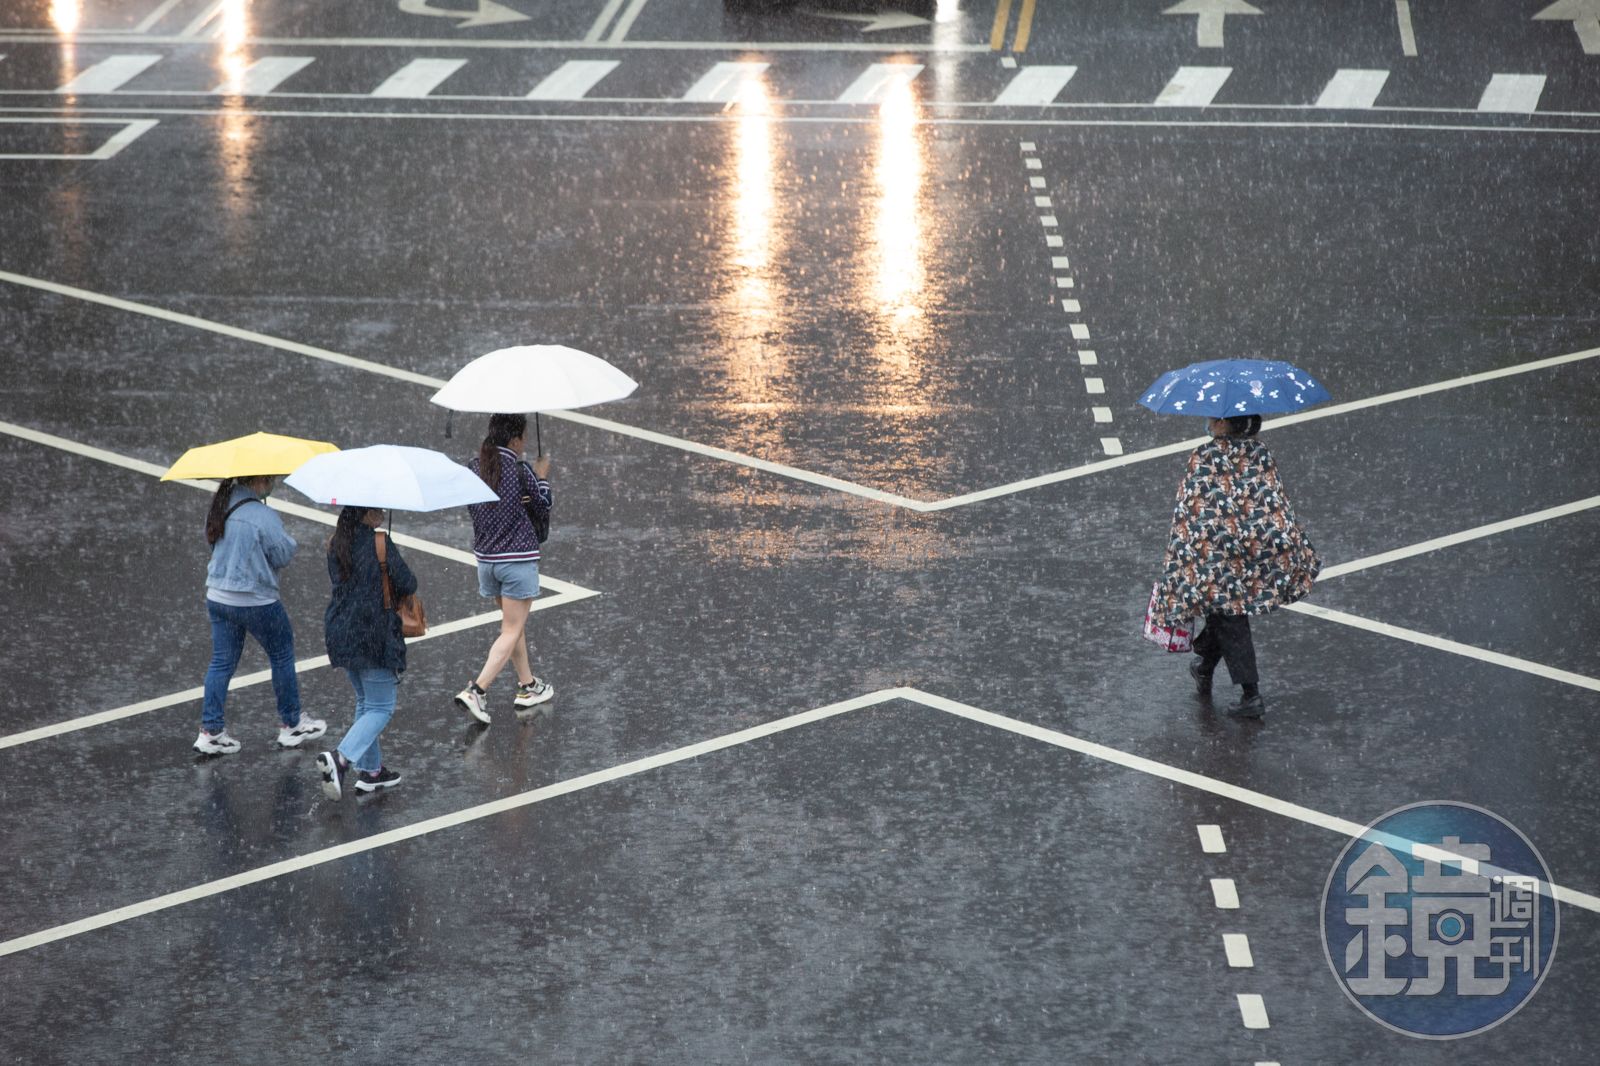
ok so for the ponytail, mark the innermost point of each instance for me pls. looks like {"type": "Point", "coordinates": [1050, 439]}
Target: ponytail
{"type": "Point", "coordinates": [503, 429]}
{"type": "Point", "coordinates": [217, 517]}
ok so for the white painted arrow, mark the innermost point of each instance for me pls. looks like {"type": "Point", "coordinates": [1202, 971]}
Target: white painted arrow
{"type": "Point", "coordinates": [883, 20]}
{"type": "Point", "coordinates": [1584, 16]}
{"type": "Point", "coordinates": [487, 14]}
{"type": "Point", "coordinates": [1208, 28]}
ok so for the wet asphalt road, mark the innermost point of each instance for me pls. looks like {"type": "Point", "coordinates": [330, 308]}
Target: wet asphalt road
{"type": "Point", "coordinates": [860, 291]}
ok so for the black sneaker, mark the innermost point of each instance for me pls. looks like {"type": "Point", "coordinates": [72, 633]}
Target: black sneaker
{"type": "Point", "coordinates": [372, 782]}
{"type": "Point", "coordinates": [1248, 707]}
{"type": "Point", "coordinates": [333, 767]}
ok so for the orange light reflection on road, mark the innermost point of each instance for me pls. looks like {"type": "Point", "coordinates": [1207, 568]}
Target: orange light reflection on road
{"type": "Point", "coordinates": [897, 226]}
{"type": "Point", "coordinates": [66, 16]}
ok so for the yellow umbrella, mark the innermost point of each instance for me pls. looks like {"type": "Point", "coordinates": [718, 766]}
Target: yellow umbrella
{"type": "Point", "coordinates": [251, 456]}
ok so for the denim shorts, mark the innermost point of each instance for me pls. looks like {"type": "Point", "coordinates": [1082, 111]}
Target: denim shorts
{"type": "Point", "coordinates": [514, 581]}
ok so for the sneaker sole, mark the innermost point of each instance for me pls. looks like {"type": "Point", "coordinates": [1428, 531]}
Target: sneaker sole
{"type": "Point", "coordinates": [534, 701]}
{"type": "Point", "coordinates": [367, 789]}
{"type": "Point", "coordinates": [295, 742]}
{"type": "Point", "coordinates": [482, 716]}
{"type": "Point", "coordinates": [214, 751]}
{"type": "Point", "coordinates": [330, 778]}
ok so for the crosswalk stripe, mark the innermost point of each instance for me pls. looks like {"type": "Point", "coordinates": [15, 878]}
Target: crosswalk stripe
{"type": "Point", "coordinates": [572, 79]}
{"type": "Point", "coordinates": [109, 75]}
{"type": "Point", "coordinates": [1353, 88]}
{"type": "Point", "coordinates": [877, 81]}
{"type": "Point", "coordinates": [1513, 93]}
{"type": "Point", "coordinates": [722, 83]}
{"type": "Point", "coordinates": [1193, 86]}
{"type": "Point", "coordinates": [1036, 85]}
{"type": "Point", "coordinates": [418, 78]}
{"type": "Point", "coordinates": [264, 75]}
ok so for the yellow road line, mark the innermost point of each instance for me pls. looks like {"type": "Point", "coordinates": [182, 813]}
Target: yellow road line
{"type": "Point", "coordinates": [997, 36]}
{"type": "Point", "coordinates": [1024, 27]}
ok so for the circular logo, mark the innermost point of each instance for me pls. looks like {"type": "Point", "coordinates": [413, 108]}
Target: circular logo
{"type": "Point", "coordinates": [1438, 920]}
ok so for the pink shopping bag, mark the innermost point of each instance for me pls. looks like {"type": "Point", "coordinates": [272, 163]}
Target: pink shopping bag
{"type": "Point", "coordinates": [1178, 637]}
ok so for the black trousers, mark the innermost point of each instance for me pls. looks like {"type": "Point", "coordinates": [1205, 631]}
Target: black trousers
{"type": "Point", "coordinates": [1227, 637]}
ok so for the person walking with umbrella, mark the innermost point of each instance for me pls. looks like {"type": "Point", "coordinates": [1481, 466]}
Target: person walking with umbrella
{"type": "Point", "coordinates": [364, 639]}
{"type": "Point", "coordinates": [249, 546]}
{"type": "Point", "coordinates": [507, 549]}
{"type": "Point", "coordinates": [1235, 548]}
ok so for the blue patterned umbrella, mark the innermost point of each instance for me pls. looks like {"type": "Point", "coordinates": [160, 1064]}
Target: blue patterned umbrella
{"type": "Point", "coordinates": [1227, 388]}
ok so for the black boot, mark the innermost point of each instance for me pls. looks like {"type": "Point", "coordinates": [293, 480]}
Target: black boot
{"type": "Point", "coordinates": [1202, 679]}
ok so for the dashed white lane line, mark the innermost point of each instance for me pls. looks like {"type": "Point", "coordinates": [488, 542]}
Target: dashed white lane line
{"type": "Point", "coordinates": [1080, 332]}
{"type": "Point", "coordinates": [1408, 36]}
{"type": "Point", "coordinates": [109, 74]}
{"type": "Point", "coordinates": [1060, 262]}
{"type": "Point", "coordinates": [1224, 893]}
{"type": "Point", "coordinates": [1096, 386]}
{"type": "Point", "coordinates": [417, 79]}
{"type": "Point", "coordinates": [1237, 948]}
{"type": "Point", "coordinates": [1101, 414]}
{"type": "Point", "coordinates": [1211, 839]}
{"type": "Point", "coordinates": [1088, 357]}
{"type": "Point", "coordinates": [1048, 221]}
{"type": "Point", "coordinates": [1253, 1010]}
{"type": "Point", "coordinates": [1515, 94]}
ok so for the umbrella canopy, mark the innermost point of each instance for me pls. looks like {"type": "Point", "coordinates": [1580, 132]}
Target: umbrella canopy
{"type": "Point", "coordinates": [251, 456]}
{"type": "Point", "coordinates": [390, 475]}
{"type": "Point", "coordinates": [1227, 388]}
{"type": "Point", "coordinates": [533, 377]}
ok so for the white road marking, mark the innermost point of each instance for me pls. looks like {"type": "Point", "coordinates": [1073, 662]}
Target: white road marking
{"type": "Point", "coordinates": [1095, 386]}
{"type": "Point", "coordinates": [1042, 201]}
{"type": "Point", "coordinates": [619, 32]}
{"type": "Point", "coordinates": [109, 75]}
{"type": "Point", "coordinates": [1352, 89]}
{"type": "Point", "coordinates": [194, 28]}
{"type": "Point", "coordinates": [1451, 539]}
{"type": "Point", "coordinates": [729, 740]}
{"type": "Point", "coordinates": [1029, 146]}
{"type": "Point", "coordinates": [1088, 357]}
{"type": "Point", "coordinates": [1237, 948]}
{"type": "Point", "coordinates": [1111, 445]}
{"type": "Point", "coordinates": [1253, 1010]}
{"type": "Point", "coordinates": [1053, 240]}
{"type": "Point", "coordinates": [598, 29]}
{"type": "Point", "coordinates": [1059, 262]}
{"type": "Point", "coordinates": [1211, 839]}
{"type": "Point", "coordinates": [878, 81]}
{"type": "Point", "coordinates": [1033, 164]}
{"type": "Point", "coordinates": [1065, 283]}
{"type": "Point", "coordinates": [1427, 640]}
{"type": "Point", "coordinates": [156, 15]}
{"type": "Point", "coordinates": [1224, 894]}
{"type": "Point", "coordinates": [515, 44]}
{"type": "Point", "coordinates": [1512, 94]}
{"type": "Point", "coordinates": [1036, 85]}
{"type": "Point", "coordinates": [724, 82]}
{"type": "Point", "coordinates": [1048, 221]}
{"type": "Point", "coordinates": [1193, 87]}
{"type": "Point", "coordinates": [1408, 37]}
{"type": "Point", "coordinates": [1080, 332]}
{"type": "Point", "coordinates": [572, 79]}
{"type": "Point", "coordinates": [264, 75]}
{"type": "Point", "coordinates": [418, 78]}
{"type": "Point", "coordinates": [1102, 414]}
{"type": "Point", "coordinates": [1071, 307]}
{"type": "Point", "coordinates": [131, 131]}
{"type": "Point", "coordinates": [242, 681]}
{"type": "Point", "coordinates": [1034, 182]}
{"type": "Point", "coordinates": [1585, 18]}
{"type": "Point", "coordinates": [1212, 15]}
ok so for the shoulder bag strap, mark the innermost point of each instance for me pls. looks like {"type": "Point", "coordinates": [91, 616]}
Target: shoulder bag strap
{"type": "Point", "coordinates": [381, 543]}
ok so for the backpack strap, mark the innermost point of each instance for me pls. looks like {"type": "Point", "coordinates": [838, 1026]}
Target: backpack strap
{"type": "Point", "coordinates": [380, 544]}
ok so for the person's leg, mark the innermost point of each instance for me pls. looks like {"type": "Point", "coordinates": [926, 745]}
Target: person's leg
{"type": "Point", "coordinates": [1207, 646]}
{"type": "Point", "coordinates": [519, 651]}
{"type": "Point", "coordinates": [375, 694]}
{"type": "Point", "coordinates": [271, 627]}
{"type": "Point", "coordinates": [227, 644]}
{"type": "Point", "coordinates": [513, 620]}
{"type": "Point", "coordinates": [1238, 650]}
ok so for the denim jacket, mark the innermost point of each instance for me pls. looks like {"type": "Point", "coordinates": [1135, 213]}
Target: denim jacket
{"type": "Point", "coordinates": [253, 548]}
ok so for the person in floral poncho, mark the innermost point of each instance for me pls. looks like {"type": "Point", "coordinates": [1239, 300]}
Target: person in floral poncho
{"type": "Point", "coordinates": [1235, 550]}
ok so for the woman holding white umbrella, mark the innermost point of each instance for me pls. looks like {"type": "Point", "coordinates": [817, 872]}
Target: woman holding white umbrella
{"type": "Point", "coordinates": [507, 548]}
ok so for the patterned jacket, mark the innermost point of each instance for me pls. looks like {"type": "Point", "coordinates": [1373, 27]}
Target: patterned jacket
{"type": "Point", "coordinates": [1235, 547]}
{"type": "Point", "coordinates": [501, 530]}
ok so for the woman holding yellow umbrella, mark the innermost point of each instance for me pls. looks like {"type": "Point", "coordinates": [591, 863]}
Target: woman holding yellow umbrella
{"type": "Point", "coordinates": [249, 546]}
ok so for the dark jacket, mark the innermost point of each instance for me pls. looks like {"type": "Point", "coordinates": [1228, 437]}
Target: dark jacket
{"type": "Point", "coordinates": [359, 633]}
{"type": "Point", "coordinates": [502, 531]}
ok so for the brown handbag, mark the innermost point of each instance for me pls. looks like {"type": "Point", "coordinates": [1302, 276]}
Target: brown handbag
{"type": "Point", "coordinates": [413, 618]}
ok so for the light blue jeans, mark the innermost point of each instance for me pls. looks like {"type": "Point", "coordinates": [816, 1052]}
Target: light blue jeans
{"type": "Point", "coordinates": [375, 690]}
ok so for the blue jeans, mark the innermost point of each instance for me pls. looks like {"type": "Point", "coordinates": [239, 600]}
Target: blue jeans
{"type": "Point", "coordinates": [374, 707]}
{"type": "Point", "coordinates": [270, 626]}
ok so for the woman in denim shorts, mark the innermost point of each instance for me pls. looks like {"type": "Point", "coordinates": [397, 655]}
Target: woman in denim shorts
{"type": "Point", "coordinates": [508, 557]}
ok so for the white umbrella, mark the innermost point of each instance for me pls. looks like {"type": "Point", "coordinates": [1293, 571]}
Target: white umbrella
{"type": "Point", "coordinates": [389, 476]}
{"type": "Point", "coordinates": [533, 377]}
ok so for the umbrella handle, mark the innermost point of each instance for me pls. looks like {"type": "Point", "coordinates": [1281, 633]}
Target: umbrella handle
{"type": "Point", "coordinates": [538, 437]}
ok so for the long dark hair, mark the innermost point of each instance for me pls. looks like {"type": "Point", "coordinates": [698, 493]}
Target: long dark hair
{"type": "Point", "coordinates": [217, 517]}
{"type": "Point", "coordinates": [1243, 425]}
{"type": "Point", "coordinates": [503, 429]}
{"type": "Point", "coordinates": [344, 536]}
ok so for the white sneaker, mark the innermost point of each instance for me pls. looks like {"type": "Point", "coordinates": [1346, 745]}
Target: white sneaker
{"type": "Point", "coordinates": [474, 703]}
{"type": "Point", "coordinates": [292, 736]}
{"type": "Point", "coordinates": [534, 693]}
{"type": "Point", "coordinates": [215, 743]}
